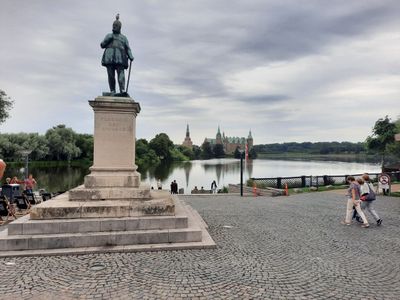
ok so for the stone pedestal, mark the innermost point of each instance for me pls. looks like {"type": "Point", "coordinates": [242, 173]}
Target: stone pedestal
{"type": "Point", "coordinates": [113, 174]}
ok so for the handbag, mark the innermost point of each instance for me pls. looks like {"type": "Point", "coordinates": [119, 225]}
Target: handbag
{"type": "Point", "coordinates": [371, 196]}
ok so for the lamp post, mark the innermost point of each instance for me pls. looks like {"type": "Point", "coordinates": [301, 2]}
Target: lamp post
{"type": "Point", "coordinates": [241, 172]}
{"type": "Point", "coordinates": [26, 154]}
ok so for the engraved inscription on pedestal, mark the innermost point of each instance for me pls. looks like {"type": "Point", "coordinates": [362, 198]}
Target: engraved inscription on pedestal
{"type": "Point", "coordinates": [114, 144]}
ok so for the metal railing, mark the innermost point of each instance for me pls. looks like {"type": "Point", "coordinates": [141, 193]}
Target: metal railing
{"type": "Point", "coordinates": [308, 181]}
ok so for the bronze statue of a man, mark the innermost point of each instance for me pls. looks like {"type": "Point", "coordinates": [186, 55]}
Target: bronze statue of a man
{"type": "Point", "coordinates": [115, 57]}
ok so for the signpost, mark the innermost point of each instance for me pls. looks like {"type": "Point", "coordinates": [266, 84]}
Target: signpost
{"type": "Point", "coordinates": [241, 172]}
{"type": "Point", "coordinates": [384, 183]}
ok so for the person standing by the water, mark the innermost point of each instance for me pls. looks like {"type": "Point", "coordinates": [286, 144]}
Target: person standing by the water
{"type": "Point", "coordinates": [30, 183]}
{"type": "Point", "coordinates": [175, 187]}
{"type": "Point", "coordinates": [159, 185]}
{"type": "Point", "coordinates": [214, 187]}
{"type": "Point", "coordinates": [353, 199]}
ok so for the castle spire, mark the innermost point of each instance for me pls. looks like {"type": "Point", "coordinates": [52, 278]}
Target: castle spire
{"type": "Point", "coordinates": [187, 142]}
{"type": "Point", "coordinates": [187, 131]}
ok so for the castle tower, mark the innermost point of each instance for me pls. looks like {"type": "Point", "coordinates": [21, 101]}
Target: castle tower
{"type": "Point", "coordinates": [218, 137]}
{"type": "Point", "coordinates": [250, 140]}
{"type": "Point", "coordinates": [187, 142]}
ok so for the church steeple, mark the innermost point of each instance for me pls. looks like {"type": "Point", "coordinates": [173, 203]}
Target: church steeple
{"type": "Point", "coordinates": [187, 142]}
{"type": "Point", "coordinates": [218, 137]}
{"type": "Point", "coordinates": [250, 141]}
{"type": "Point", "coordinates": [187, 131]}
{"type": "Point", "coordinates": [218, 133]}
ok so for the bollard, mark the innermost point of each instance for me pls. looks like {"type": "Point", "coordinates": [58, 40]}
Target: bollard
{"type": "Point", "coordinates": [254, 189]}
{"type": "Point", "coordinates": [286, 190]}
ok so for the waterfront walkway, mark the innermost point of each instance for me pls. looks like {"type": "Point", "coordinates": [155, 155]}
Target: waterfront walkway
{"type": "Point", "coordinates": [268, 248]}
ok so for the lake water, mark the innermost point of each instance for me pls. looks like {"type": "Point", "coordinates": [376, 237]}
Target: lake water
{"type": "Point", "coordinates": [202, 172]}
{"type": "Point", "coordinates": [224, 171]}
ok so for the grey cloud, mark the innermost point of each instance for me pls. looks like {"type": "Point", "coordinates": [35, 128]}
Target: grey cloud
{"type": "Point", "coordinates": [264, 99]}
{"type": "Point", "coordinates": [183, 51]}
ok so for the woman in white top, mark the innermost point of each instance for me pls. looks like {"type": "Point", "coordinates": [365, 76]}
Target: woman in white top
{"type": "Point", "coordinates": [367, 189]}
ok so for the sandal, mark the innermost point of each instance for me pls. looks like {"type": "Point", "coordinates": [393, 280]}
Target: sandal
{"type": "Point", "coordinates": [365, 225]}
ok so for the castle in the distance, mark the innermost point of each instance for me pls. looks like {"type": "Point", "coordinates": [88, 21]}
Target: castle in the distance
{"type": "Point", "coordinates": [231, 143]}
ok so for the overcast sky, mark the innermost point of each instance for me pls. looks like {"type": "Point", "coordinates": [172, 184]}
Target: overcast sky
{"type": "Point", "coordinates": [291, 71]}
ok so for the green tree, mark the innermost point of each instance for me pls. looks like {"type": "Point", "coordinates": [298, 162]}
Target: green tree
{"type": "Point", "coordinates": [5, 105]}
{"type": "Point", "coordinates": [382, 137]}
{"type": "Point", "coordinates": [252, 153]}
{"type": "Point", "coordinates": [196, 152]}
{"type": "Point", "coordinates": [187, 152]}
{"type": "Point", "coordinates": [85, 143]}
{"type": "Point", "coordinates": [12, 145]}
{"type": "Point", "coordinates": [394, 148]}
{"type": "Point", "coordinates": [218, 151]}
{"type": "Point", "coordinates": [206, 151]}
{"type": "Point", "coordinates": [144, 155]}
{"type": "Point", "coordinates": [177, 155]}
{"type": "Point", "coordinates": [236, 154]}
{"type": "Point", "coordinates": [162, 146]}
{"type": "Point", "coordinates": [61, 142]}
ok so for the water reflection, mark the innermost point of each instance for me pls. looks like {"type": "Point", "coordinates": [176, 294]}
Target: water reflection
{"type": "Point", "coordinates": [201, 173]}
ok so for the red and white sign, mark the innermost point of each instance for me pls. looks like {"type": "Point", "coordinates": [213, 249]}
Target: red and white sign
{"type": "Point", "coordinates": [384, 181]}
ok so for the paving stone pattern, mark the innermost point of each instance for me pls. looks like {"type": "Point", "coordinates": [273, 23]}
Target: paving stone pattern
{"type": "Point", "coordinates": [268, 248]}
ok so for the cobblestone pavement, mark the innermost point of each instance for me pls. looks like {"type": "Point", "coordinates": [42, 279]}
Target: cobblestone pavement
{"type": "Point", "coordinates": [268, 248]}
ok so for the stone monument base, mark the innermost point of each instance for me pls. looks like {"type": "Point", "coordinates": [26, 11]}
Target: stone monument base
{"type": "Point", "coordinates": [161, 204]}
{"type": "Point", "coordinates": [59, 226]}
{"type": "Point", "coordinates": [112, 211]}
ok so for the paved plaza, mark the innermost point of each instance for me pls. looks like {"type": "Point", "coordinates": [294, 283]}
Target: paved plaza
{"type": "Point", "coordinates": [268, 248]}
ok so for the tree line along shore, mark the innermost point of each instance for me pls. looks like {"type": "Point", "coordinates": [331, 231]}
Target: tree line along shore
{"type": "Point", "coordinates": [61, 144]}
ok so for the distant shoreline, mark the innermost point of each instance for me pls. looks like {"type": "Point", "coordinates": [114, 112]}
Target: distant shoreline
{"type": "Point", "coordinates": [345, 157]}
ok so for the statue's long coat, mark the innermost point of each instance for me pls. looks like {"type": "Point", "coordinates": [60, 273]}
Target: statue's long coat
{"type": "Point", "coordinates": [116, 51]}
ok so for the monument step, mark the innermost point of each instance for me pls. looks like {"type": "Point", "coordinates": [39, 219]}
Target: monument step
{"type": "Point", "coordinates": [98, 239]}
{"type": "Point", "coordinates": [26, 226]}
{"type": "Point", "coordinates": [61, 208]}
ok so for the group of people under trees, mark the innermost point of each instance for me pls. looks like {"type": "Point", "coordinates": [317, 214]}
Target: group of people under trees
{"type": "Point", "coordinates": [28, 183]}
{"type": "Point", "coordinates": [360, 197]}
{"type": "Point", "coordinates": [7, 209]}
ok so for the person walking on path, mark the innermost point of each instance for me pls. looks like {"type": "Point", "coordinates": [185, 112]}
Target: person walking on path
{"type": "Point", "coordinates": [353, 199]}
{"type": "Point", "coordinates": [367, 190]}
{"type": "Point", "coordinates": [214, 187]}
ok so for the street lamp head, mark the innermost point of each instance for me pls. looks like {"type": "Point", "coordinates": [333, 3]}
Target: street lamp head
{"type": "Point", "coordinates": [25, 152]}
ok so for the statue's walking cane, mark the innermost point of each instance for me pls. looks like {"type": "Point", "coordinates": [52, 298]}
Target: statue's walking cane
{"type": "Point", "coordinates": [129, 76]}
